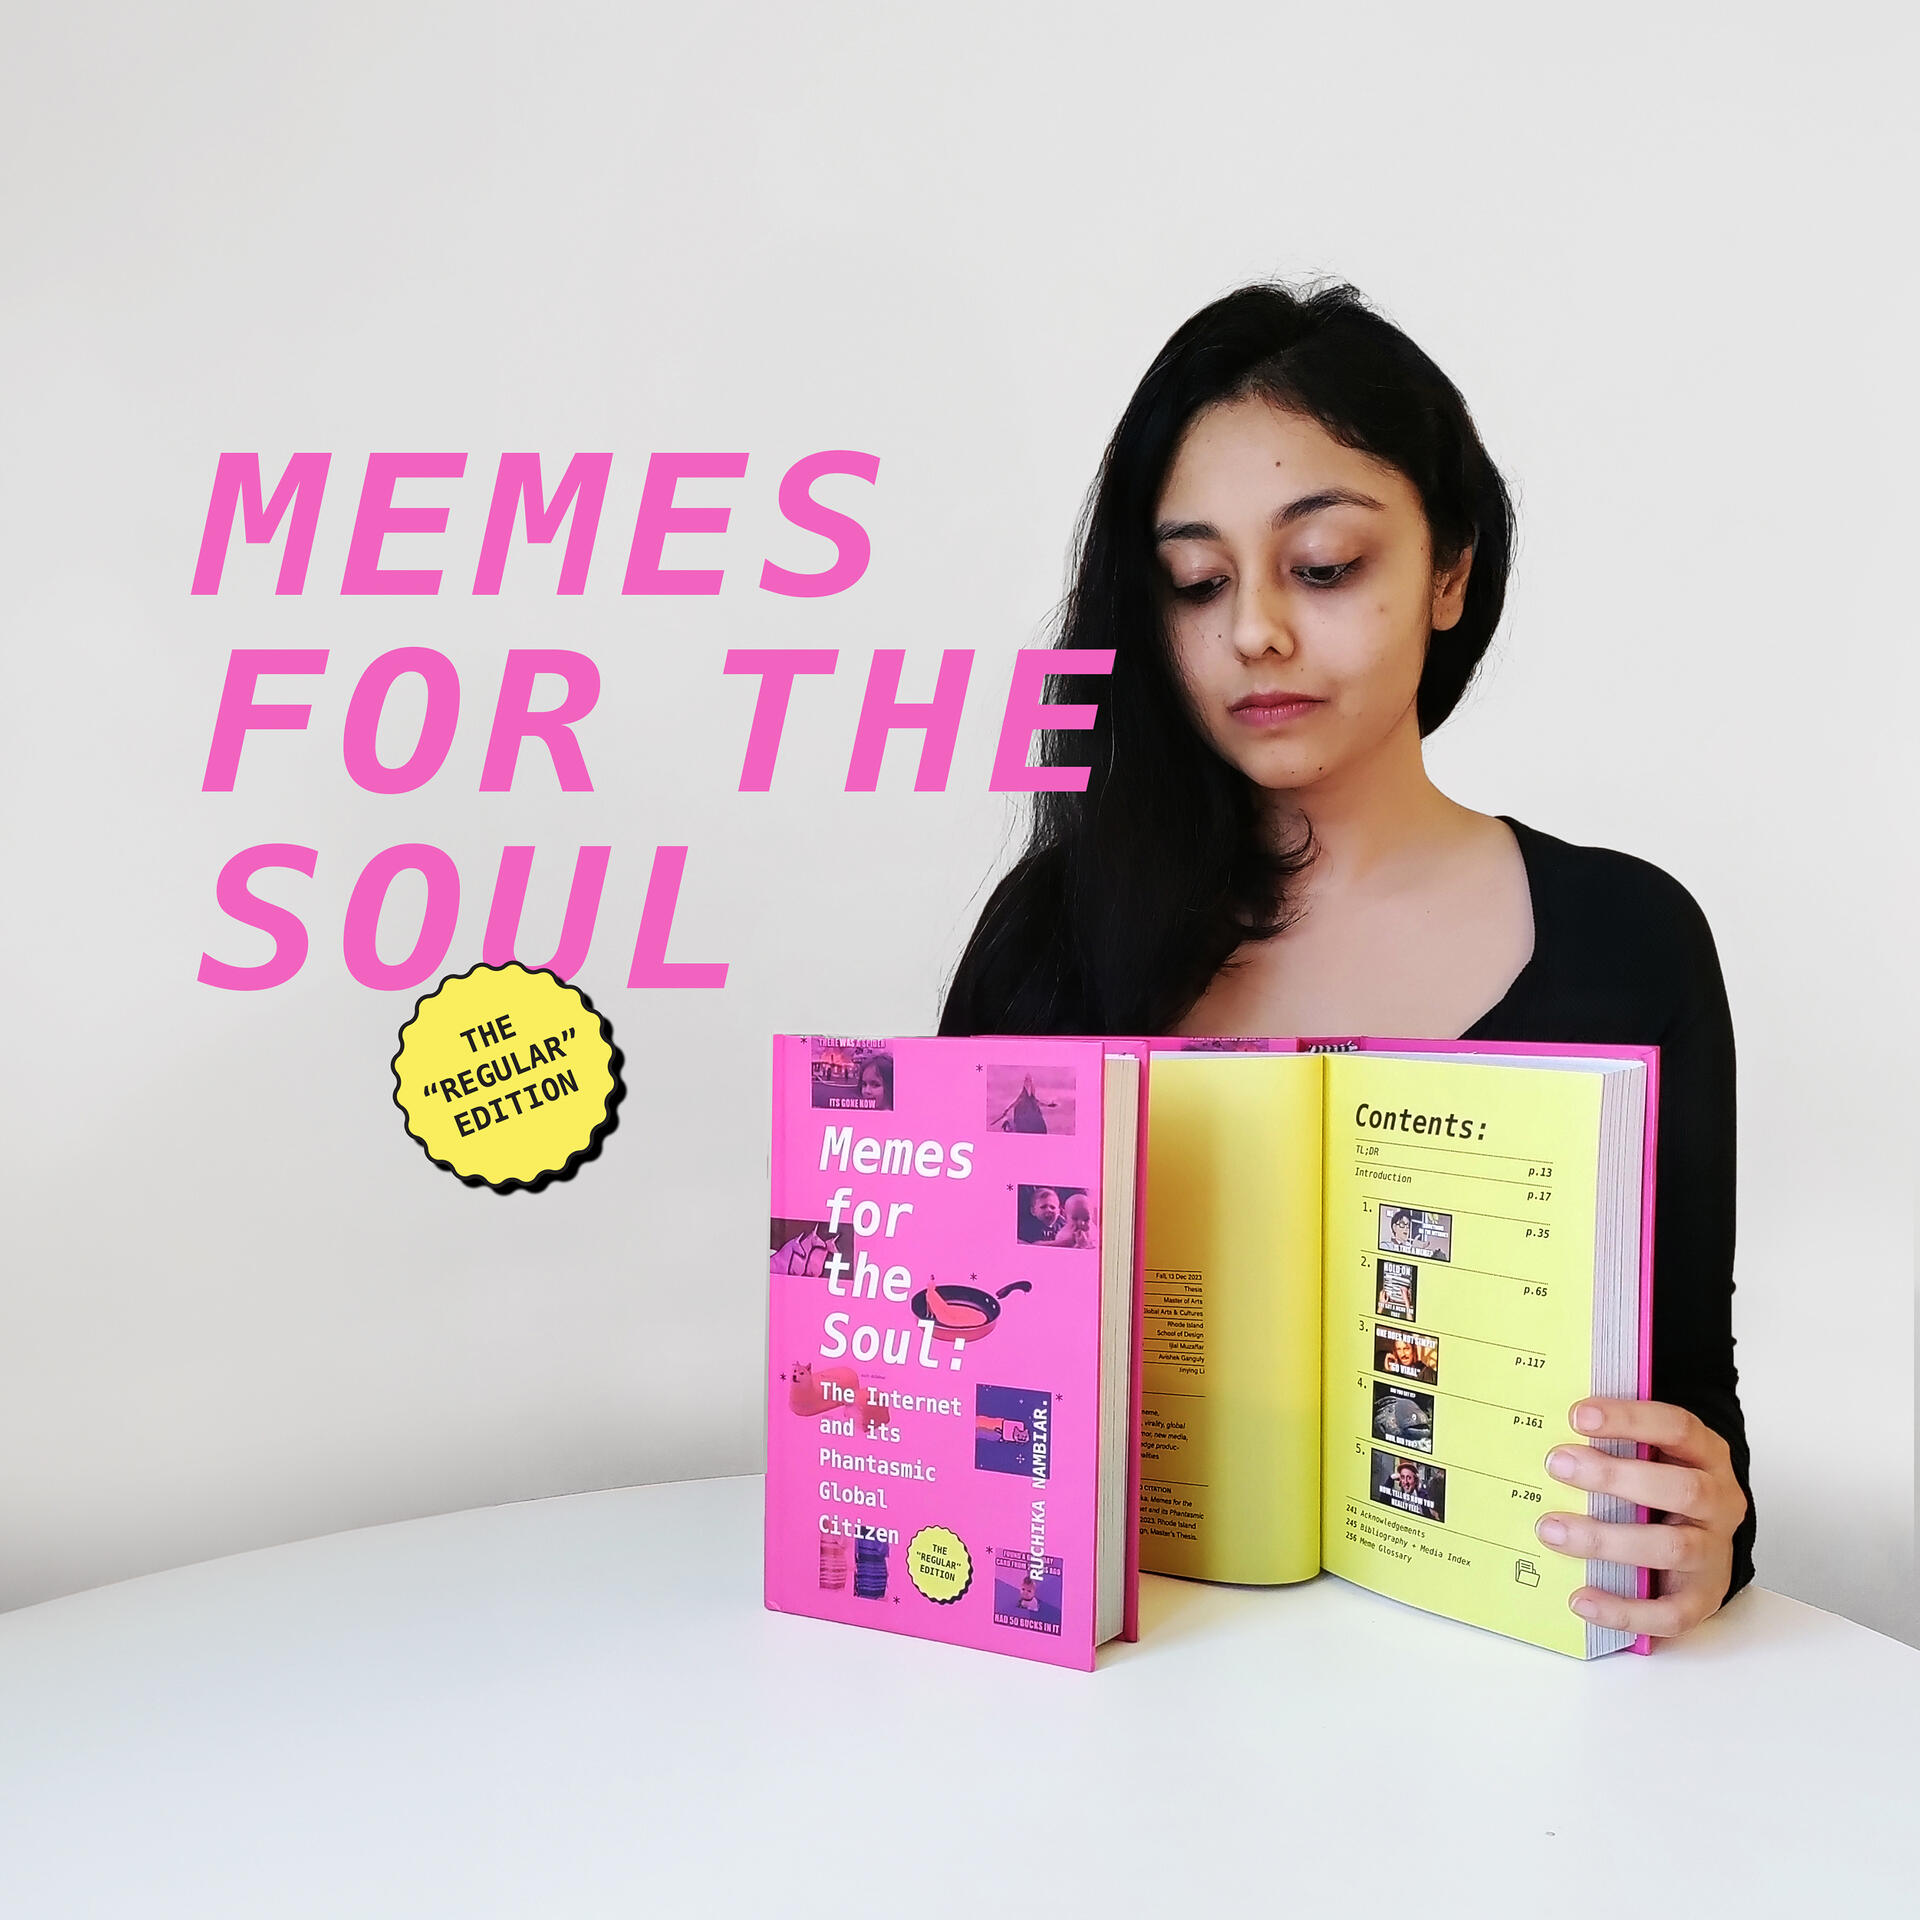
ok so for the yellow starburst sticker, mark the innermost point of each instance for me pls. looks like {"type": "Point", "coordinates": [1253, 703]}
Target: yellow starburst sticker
{"type": "Point", "coordinates": [939, 1564]}
{"type": "Point", "coordinates": [508, 1077]}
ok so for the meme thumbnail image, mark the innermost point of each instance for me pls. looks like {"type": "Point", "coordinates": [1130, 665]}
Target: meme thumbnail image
{"type": "Point", "coordinates": [1011, 1431]}
{"type": "Point", "coordinates": [1415, 1231]}
{"type": "Point", "coordinates": [1409, 1486]}
{"type": "Point", "coordinates": [805, 1246]}
{"type": "Point", "coordinates": [1023, 1597]}
{"type": "Point", "coordinates": [1056, 1217]}
{"type": "Point", "coordinates": [853, 1074]}
{"type": "Point", "coordinates": [1030, 1099]}
{"type": "Point", "coordinates": [1403, 1416]}
{"type": "Point", "coordinates": [1409, 1355]}
{"type": "Point", "coordinates": [1399, 1286]}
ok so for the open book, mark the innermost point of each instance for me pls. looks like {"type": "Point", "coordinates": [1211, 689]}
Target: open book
{"type": "Point", "coordinates": [1376, 1277]}
{"type": "Point", "coordinates": [952, 1377]}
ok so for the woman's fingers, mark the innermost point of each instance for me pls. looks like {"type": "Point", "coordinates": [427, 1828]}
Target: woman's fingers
{"type": "Point", "coordinates": [1651, 1423]}
{"type": "Point", "coordinates": [1688, 1491]}
{"type": "Point", "coordinates": [1691, 1482]}
{"type": "Point", "coordinates": [1673, 1548]}
{"type": "Point", "coordinates": [1667, 1614]}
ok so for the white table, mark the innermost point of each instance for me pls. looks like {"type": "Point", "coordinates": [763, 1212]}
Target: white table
{"type": "Point", "coordinates": [578, 1707]}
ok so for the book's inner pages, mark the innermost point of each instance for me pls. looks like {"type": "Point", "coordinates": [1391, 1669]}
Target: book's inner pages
{"type": "Point", "coordinates": [1481, 1273]}
{"type": "Point", "coordinates": [1230, 1400]}
{"type": "Point", "coordinates": [1118, 1197]}
{"type": "Point", "coordinates": [1617, 1332]}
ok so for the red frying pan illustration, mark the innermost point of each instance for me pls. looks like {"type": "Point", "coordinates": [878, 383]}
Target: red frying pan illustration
{"type": "Point", "coordinates": [962, 1313]}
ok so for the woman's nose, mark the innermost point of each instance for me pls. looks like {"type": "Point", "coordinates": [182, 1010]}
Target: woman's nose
{"type": "Point", "coordinates": [1262, 621]}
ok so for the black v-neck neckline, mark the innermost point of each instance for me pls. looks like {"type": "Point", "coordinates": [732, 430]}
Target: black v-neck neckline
{"type": "Point", "coordinates": [1522, 982]}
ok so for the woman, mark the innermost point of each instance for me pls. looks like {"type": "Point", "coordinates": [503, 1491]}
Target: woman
{"type": "Point", "coordinates": [1297, 552]}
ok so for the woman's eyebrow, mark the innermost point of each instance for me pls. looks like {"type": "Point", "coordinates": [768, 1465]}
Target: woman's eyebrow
{"type": "Point", "coordinates": [1308, 503]}
{"type": "Point", "coordinates": [1319, 502]}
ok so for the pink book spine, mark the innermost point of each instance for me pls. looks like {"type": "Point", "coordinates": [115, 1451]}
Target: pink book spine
{"type": "Point", "coordinates": [1142, 1051]}
{"type": "Point", "coordinates": [934, 1346]}
{"type": "Point", "coordinates": [1649, 1166]}
{"type": "Point", "coordinates": [768, 1532]}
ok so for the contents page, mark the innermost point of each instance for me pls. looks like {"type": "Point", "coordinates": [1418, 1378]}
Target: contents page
{"type": "Point", "coordinates": [1230, 1408]}
{"type": "Point", "coordinates": [1459, 1296]}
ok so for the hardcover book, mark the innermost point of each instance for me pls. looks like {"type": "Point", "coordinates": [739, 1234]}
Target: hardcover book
{"type": "Point", "coordinates": [952, 1371]}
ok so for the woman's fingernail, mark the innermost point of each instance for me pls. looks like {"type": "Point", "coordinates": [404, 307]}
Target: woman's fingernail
{"type": "Point", "coordinates": [1583, 1606]}
{"type": "Point", "coordinates": [1552, 1531]}
{"type": "Point", "coordinates": [1560, 1463]}
{"type": "Point", "coordinates": [1588, 1418]}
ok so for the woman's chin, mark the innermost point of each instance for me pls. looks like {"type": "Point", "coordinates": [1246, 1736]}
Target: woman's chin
{"type": "Point", "coordinates": [1283, 773]}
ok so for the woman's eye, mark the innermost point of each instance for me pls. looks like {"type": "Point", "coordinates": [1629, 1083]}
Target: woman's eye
{"type": "Point", "coordinates": [1199, 591]}
{"type": "Point", "coordinates": [1329, 575]}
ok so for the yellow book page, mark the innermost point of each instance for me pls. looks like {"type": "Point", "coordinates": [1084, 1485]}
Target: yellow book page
{"type": "Point", "coordinates": [1459, 1330]}
{"type": "Point", "coordinates": [1230, 1408]}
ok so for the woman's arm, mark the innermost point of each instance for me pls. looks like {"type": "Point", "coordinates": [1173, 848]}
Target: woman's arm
{"type": "Point", "coordinates": [1698, 1476]}
{"type": "Point", "coordinates": [1693, 1365]}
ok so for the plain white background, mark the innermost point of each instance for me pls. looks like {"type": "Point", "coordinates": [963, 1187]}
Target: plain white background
{"type": "Point", "coordinates": [1663, 253]}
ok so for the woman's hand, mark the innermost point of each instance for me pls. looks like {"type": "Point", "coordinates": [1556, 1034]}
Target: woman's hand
{"type": "Point", "coordinates": [1697, 1504]}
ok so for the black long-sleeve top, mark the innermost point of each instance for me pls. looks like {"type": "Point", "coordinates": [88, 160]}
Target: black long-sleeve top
{"type": "Point", "coordinates": [1622, 954]}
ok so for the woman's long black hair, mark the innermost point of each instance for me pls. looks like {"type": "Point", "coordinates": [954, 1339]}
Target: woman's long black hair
{"type": "Point", "coordinates": [1130, 896]}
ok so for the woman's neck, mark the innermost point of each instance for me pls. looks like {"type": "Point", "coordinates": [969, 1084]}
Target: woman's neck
{"type": "Point", "coordinates": [1373, 822]}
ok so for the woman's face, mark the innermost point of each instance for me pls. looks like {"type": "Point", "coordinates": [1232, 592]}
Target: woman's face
{"type": "Point", "coordinates": [1299, 590]}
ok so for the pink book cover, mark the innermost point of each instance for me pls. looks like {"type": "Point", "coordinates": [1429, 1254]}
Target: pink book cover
{"type": "Point", "coordinates": [1142, 1052]}
{"type": "Point", "coordinates": [1648, 1056]}
{"type": "Point", "coordinates": [934, 1339]}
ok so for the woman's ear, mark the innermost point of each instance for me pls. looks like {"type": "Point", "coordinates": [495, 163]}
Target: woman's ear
{"type": "Point", "coordinates": [1450, 592]}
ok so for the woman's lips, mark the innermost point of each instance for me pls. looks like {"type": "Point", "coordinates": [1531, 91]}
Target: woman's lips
{"type": "Point", "coordinates": [1272, 709]}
